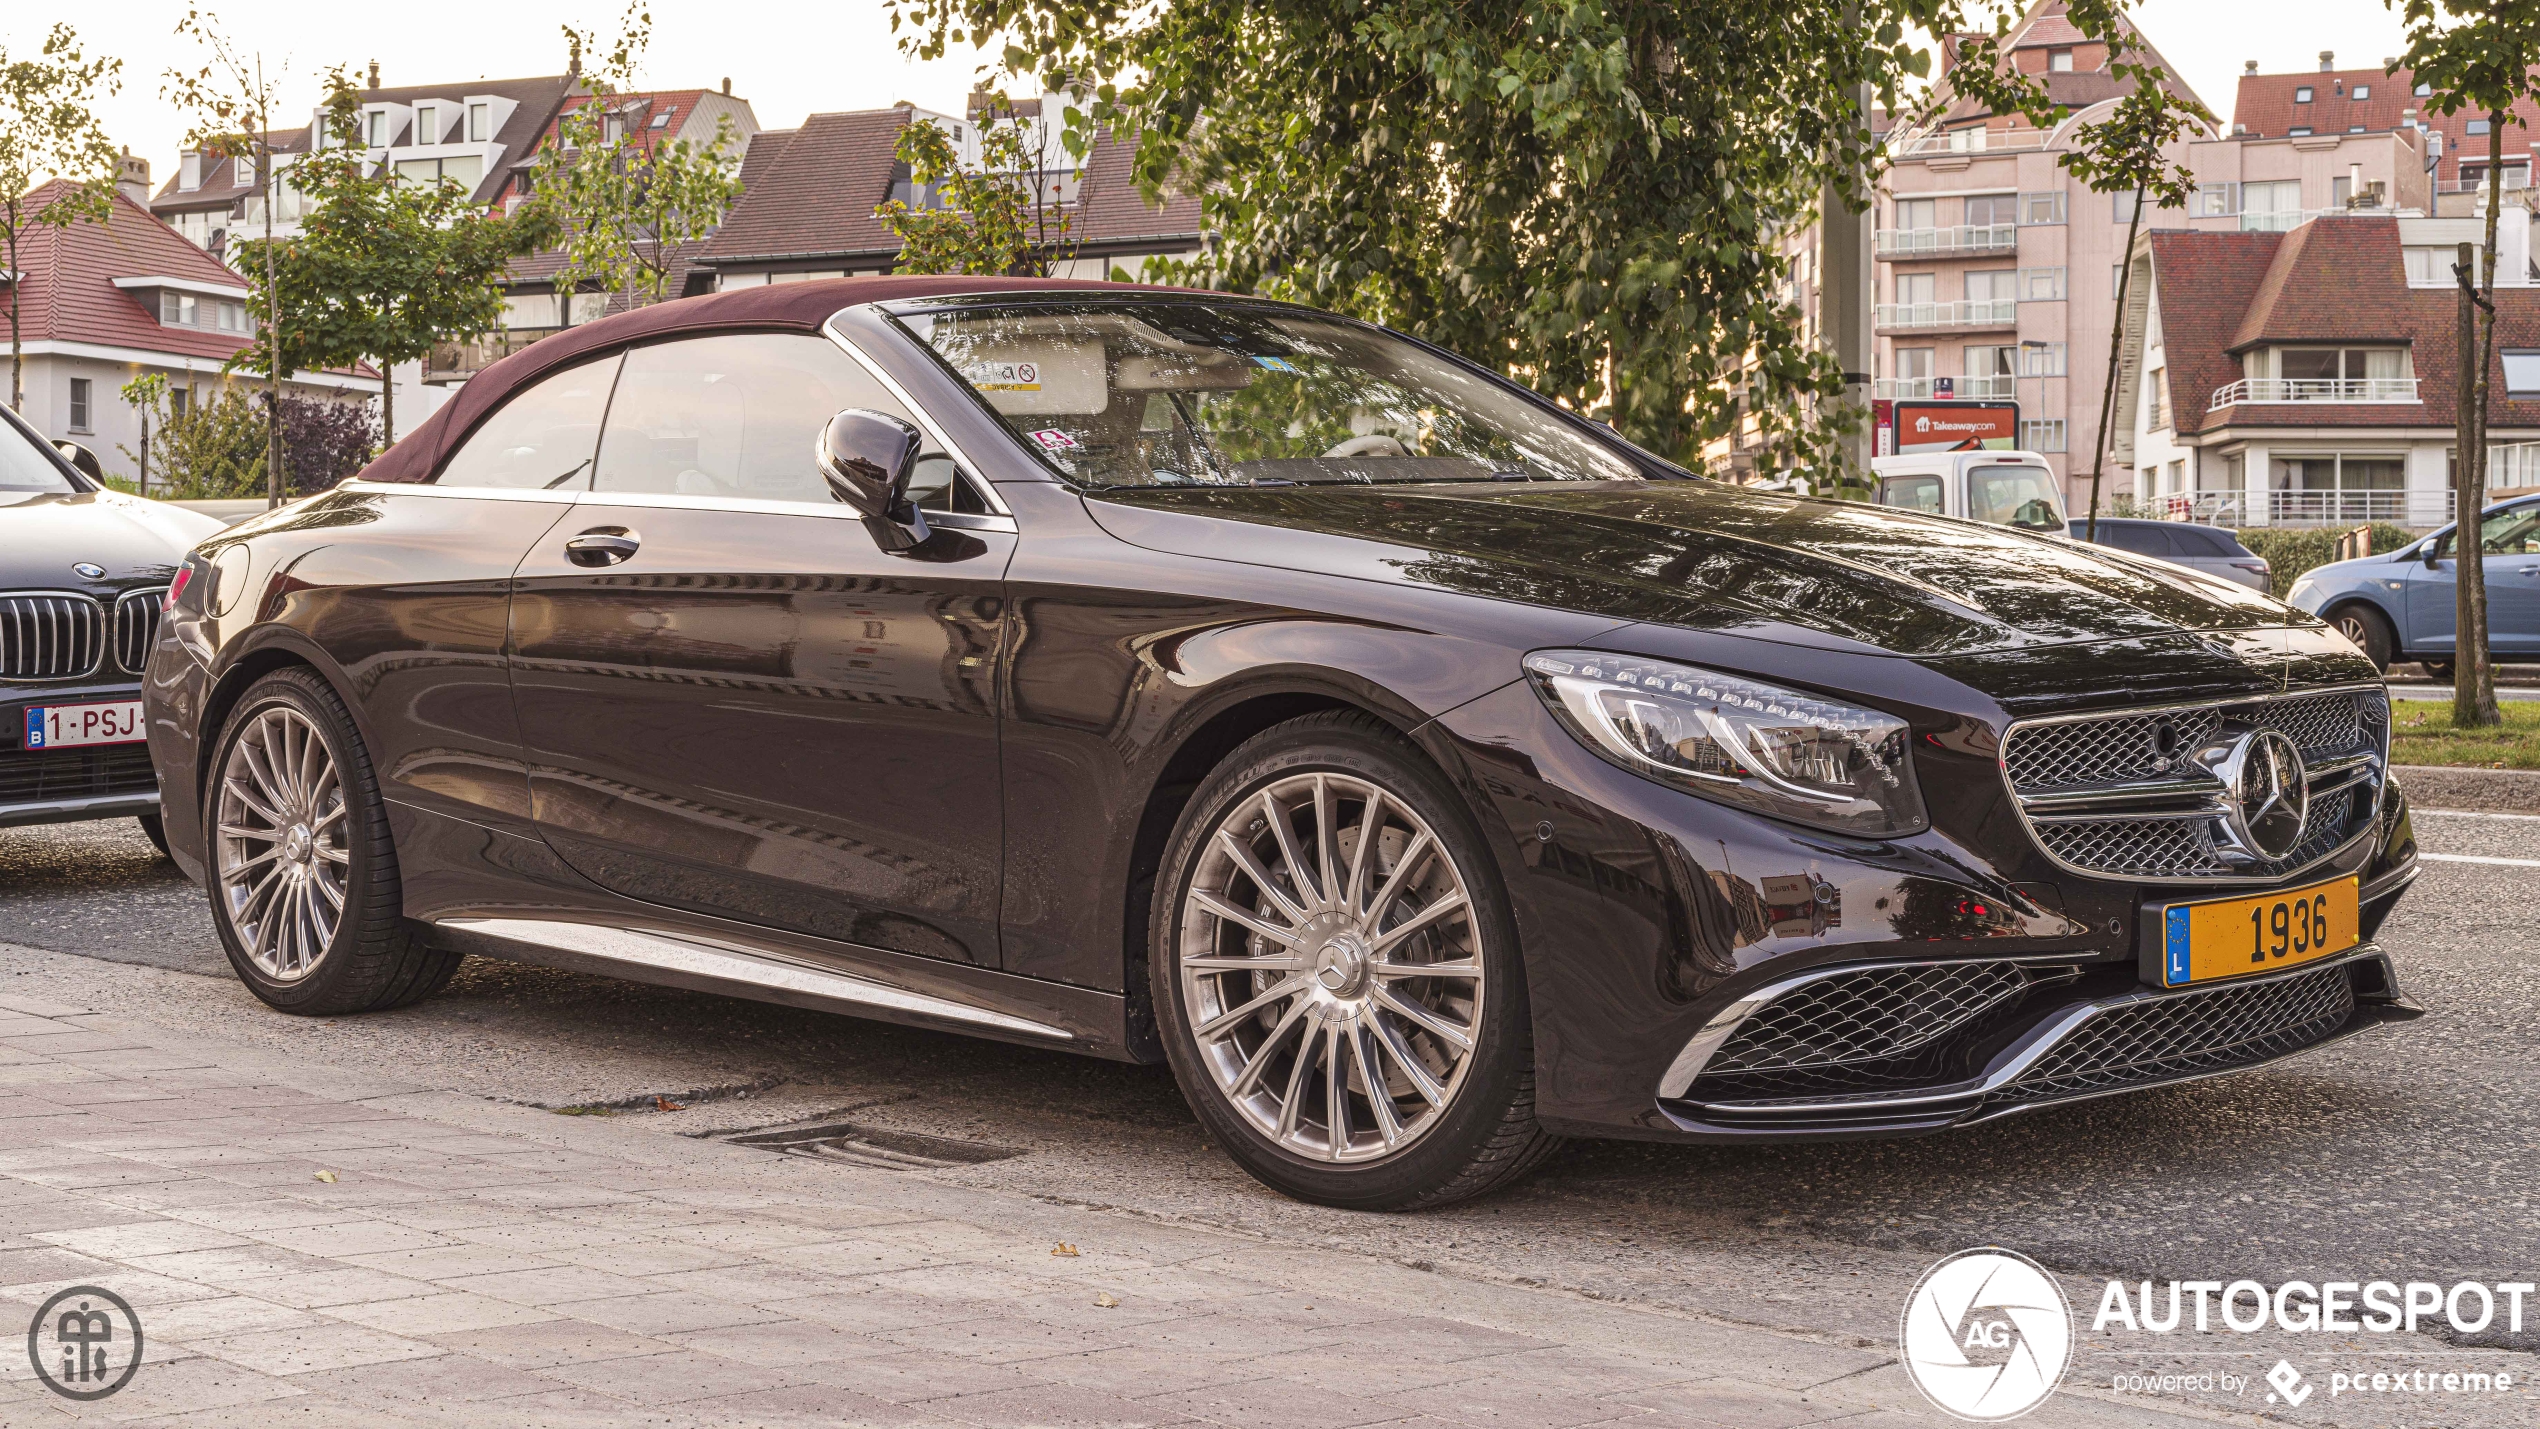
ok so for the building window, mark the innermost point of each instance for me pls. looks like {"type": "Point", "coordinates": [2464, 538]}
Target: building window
{"type": "Point", "coordinates": [1917, 213]}
{"type": "Point", "coordinates": [1913, 364]}
{"type": "Point", "coordinates": [1990, 210]}
{"type": "Point", "coordinates": [427, 125]}
{"type": "Point", "coordinates": [2475, 126]}
{"type": "Point", "coordinates": [2041, 359]}
{"type": "Point", "coordinates": [1917, 289]}
{"type": "Point", "coordinates": [2423, 89]}
{"type": "Point", "coordinates": [661, 120]}
{"type": "Point", "coordinates": [2363, 91]}
{"type": "Point", "coordinates": [2429, 267]}
{"type": "Point", "coordinates": [177, 309]}
{"type": "Point", "coordinates": [2302, 95]}
{"type": "Point", "coordinates": [480, 123]}
{"type": "Point", "coordinates": [378, 137]}
{"type": "Point", "coordinates": [2042, 434]}
{"type": "Point", "coordinates": [2121, 206]}
{"type": "Point", "coordinates": [2041, 285]}
{"type": "Point", "coordinates": [2156, 400]}
{"type": "Point", "coordinates": [2522, 374]}
{"type": "Point", "coordinates": [79, 404]}
{"type": "Point", "coordinates": [2215, 201]}
{"type": "Point", "coordinates": [2045, 208]}
{"type": "Point", "coordinates": [1992, 286]}
{"type": "Point", "coordinates": [189, 171]}
{"type": "Point", "coordinates": [2059, 61]}
{"type": "Point", "coordinates": [2116, 279]}
{"type": "Point", "coordinates": [2300, 131]}
{"type": "Point", "coordinates": [242, 172]}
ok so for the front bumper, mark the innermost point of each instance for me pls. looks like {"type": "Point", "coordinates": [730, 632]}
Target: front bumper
{"type": "Point", "coordinates": [1947, 1044]}
{"type": "Point", "coordinates": [51, 786]}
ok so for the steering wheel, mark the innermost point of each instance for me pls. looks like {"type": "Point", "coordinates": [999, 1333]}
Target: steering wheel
{"type": "Point", "coordinates": [1373, 444]}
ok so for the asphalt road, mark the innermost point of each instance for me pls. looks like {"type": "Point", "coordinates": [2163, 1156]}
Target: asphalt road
{"type": "Point", "coordinates": [2406, 1154]}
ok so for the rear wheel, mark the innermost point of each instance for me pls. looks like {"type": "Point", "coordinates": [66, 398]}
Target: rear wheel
{"type": "Point", "coordinates": [1337, 974]}
{"type": "Point", "coordinates": [303, 874]}
{"type": "Point", "coordinates": [2437, 670]}
{"type": "Point", "coordinates": [2369, 630]}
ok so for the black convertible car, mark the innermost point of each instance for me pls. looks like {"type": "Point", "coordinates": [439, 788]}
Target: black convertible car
{"type": "Point", "coordinates": [83, 571]}
{"type": "Point", "coordinates": [1419, 769]}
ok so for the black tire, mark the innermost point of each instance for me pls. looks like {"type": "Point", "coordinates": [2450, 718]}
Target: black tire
{"type": "Point", "coordinates": [1485, 1135]}
{"type": "Point", "coordinates": [375, 959]}
{"type": "Point", "coordinates": [2438, 670]}
{"type": "Point", "coordinates": [155, 830]}
{"type": "Point", "coordinates": [2369, 629]}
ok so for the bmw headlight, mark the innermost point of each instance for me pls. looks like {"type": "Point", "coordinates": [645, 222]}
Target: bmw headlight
{"type": "Point", "coordinates": [1795, 756]}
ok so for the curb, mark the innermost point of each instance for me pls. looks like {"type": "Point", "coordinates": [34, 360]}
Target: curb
{"type": "Point", "coordinates": [2494, 791]}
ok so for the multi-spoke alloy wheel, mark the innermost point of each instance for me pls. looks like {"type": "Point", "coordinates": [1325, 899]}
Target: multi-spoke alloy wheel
{"type": "Point", "coordinates": [280, 844]}
{"type": "Point", "coordinates": [303, 869]}
{"type": "Point", "coordinates": [1328, 965]}
{"type": "Point", "coordinates": [1339, 989]}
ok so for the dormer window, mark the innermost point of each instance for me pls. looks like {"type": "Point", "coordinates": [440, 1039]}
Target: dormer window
{"type": "Point", "coordinates": [427, 124]}
{"type": "Point", "coordinates": [189, 171]}
{"type": "Point", "coordinates": [2363, 91]}
{"type": "Point", "coordinates": [2059, 61]}
{"type": "Point", "coordinates": [2302, 95]}
{"type": "Point", "coordinates": [480, 122]}
{"type": "Point", "coordinates": [242, 173]}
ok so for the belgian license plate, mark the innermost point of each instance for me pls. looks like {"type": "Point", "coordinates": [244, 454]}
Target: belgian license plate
{"type": "Point", "coordinates": [2239, 937]}
{"type": "Point", "coordinates": [62, 726]}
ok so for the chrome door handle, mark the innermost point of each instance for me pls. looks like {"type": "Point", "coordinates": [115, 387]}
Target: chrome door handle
{"type": "Point", "coordinates": [2528, 571]}
{"type": "Point", "coordinates": [604, 546]}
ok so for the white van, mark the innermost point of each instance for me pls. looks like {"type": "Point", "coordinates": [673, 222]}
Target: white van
{"type": "Point", "coordinates": [2005, 488]}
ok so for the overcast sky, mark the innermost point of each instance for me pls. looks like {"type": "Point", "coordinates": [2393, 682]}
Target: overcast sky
{"type": "Point", "coordinates": [791, 59]}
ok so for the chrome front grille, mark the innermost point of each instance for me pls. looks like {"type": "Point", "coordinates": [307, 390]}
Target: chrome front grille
{"type": "Point", "coordinates": [2120, 795]}
{"type": "Point", "coordinates": [49, 635]}
{"type": "Point", "coordinates": [137, 627]}
{"type": "Point", "coordinates": [1866, 1015]}
{"type": "Point", "coordinates": [2159, 1039]}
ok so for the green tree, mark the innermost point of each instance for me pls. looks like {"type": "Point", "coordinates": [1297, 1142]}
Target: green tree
{"type": "Point", "coordinates": [621, 208]}
{"type": "Point", "coordinates": [2477, 57]}
{"type": "Point", "coordinates": [47, 130]}
{"type": "Point", "coordinates": [146, 394]}
{"type": "Point", "coordinates": [1005, 216]}
{"type": "Point", "coordinates": [2129, 151]}
{"type": "Point", "coordinates": [381, 268]}
{"type": "Point", "coordinates": [232, 99]}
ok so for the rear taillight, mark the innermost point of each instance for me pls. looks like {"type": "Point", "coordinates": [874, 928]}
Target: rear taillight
{"type": "Point", "coordinates": [176, 587]}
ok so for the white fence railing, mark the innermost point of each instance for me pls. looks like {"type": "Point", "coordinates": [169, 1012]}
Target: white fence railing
{"type": "Point", "coordinates": [1974, 312]}
{"type": "Point", "coordinates": [1915, 389]}
{"type": "Point", "coordinates": [1971, 141]}
{"type": "Point", "coordinates": [2352, 508]}
{"type": "Point", "coordinates": [1955, 238]}
{"type": "Point", "coordinates": [2315, 389]}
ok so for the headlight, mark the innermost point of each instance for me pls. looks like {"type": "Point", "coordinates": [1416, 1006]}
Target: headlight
{"type": "Point", "coordinates": [1794, 756]}
{"type": "Point", "coordinates": [2301, 593]}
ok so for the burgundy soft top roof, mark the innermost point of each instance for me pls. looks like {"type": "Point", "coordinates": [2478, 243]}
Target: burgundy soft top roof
{"type": "Point", "coordinates": [779, 307]}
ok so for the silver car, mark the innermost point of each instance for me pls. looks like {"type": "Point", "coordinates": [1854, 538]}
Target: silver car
{"type": "Point", "coordinates": [2206, 548]}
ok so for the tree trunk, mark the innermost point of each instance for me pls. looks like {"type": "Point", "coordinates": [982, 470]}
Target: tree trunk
{"type": "Point", "coordinates": [17, 360]}
{"type": "Point", "coordinates": [2116, 346]}
{"type": "Point", "coordinates": [2473, 677]}
{"type": "Point", "coordinates": [387, 406]}
{"type": "Point", "coordinates": [275, 485]}
{"type": "Point", "coordinates": [145, 455]}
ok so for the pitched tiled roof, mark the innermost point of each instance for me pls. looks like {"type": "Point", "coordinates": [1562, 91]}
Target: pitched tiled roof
{"type": "Point", "coordinates": [814, 191]}
{"type": "Point", "coordinates": [219, 187]}
{"type": "Point", "coordinates": [2337, 279]}
{"type": "Point", "coordinates": [70, 294]}
{"type": "Point", "coordinates": [2046, 25]}
{"type": "Point", "coordinates": [1110, 209]}
{"type": "Point", "coordinates": [676, 104]}
{"type": "Point", "coordinates": [2267, 109]}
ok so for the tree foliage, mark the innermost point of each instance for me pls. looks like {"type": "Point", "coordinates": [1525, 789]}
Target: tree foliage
{"type": "Point", "coordinates": [48, 131]}
{"type": "Point", "coordinates": [1589, 194]}
{"type": "Point", "coordinates": [1003, 216]}
{"type": "Point", "coordinates": [215, 449]}
{"type": "Point", "coordinates": [622, 207]}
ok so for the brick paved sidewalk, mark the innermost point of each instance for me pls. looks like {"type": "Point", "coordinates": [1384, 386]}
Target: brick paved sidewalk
{"type": "Point", "coordinates": [477, 1263]}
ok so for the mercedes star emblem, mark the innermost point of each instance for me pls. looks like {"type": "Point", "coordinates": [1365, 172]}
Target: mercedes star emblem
{"type": "Point", "coordinates": [2268, 794]}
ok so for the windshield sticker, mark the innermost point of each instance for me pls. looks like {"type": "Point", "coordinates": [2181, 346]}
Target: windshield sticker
{"type": "Point", "coordinates": [1005, 376]}
{"type": "Point", "coordinates": [1053, 440]}
{"type": "Point", "coordinates": [1279, 364]}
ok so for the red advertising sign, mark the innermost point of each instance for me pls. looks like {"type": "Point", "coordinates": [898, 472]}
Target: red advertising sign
{"type": "Point", "coordinates": [1957, 426]}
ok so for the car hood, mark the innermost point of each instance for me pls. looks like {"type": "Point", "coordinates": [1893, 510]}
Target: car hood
{"type": "Point", "coordinates": [43, 535]}
{"type": "Point", "coordinates": [1703, 555]}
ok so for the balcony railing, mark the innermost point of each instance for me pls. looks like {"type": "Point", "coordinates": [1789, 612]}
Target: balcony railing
{"type": "Point", "coordinates": [1915, 389]}
{"type": "Point", "coordinates": [2282, 220]}
{"type": "Point", "coordinates": [1944, 242]}
{"type": "Point", "coordinates": [1971, 141]}
{"type": "Point", "coordinates": [1978, 312]}
{"type": "Point", "coordinates": [2315, 389]}
{"type": "Point", "coordinates": [458, 361]}
{"type": "Point", "coordinates": [2351, 508]}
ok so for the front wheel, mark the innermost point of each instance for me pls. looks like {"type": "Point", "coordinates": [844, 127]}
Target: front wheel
{"type": "Point", "coordinates": [1337, 974]}
{"type": "Point", "coordinates": [303, 873]}
{"type": "Point", "coordinates": [2368, 630]}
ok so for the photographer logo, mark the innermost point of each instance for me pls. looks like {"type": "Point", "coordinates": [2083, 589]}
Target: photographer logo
{"type": "Point", "coordinates": [84, 1343]}
{"type": "Point", "coordinates": [1987, 1335]}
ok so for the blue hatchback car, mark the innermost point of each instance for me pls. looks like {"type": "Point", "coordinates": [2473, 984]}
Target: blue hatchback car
{"type": "Point", "coordinates": [2400, 606]}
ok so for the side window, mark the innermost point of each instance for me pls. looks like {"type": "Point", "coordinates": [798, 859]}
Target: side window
{"type": "Point", "coordinates": [542, 438]}
{"type": "Point", "coordinates": [738, 415]}
{"type": "Point", "coordinates": [1911, 493]}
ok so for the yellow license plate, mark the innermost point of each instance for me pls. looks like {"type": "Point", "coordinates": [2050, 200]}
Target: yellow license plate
{"type": "Point", "coordinates": [2239, 937]}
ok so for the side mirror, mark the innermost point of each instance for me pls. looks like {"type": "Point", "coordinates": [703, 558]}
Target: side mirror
{"type": "Point", "coordinates": [82, 458]}
{"type": "Point", "coordinates": [2433, 552]}
{"type": "Point", "coordinates": [867, 458]}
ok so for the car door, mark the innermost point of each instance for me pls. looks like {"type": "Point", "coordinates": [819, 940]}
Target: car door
{"type": "Point", "coordinates": [734, 699]}
{"type": "Point", "coordinates": [2511, 538]}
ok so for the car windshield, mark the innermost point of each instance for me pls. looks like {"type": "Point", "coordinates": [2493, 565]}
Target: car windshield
{"type": "Point", "coordinates": [1192, 394]}
{"type": "Point", "coordinates": [24, 466]}
{"type": "Point", "coordinates": [2022, 496]}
